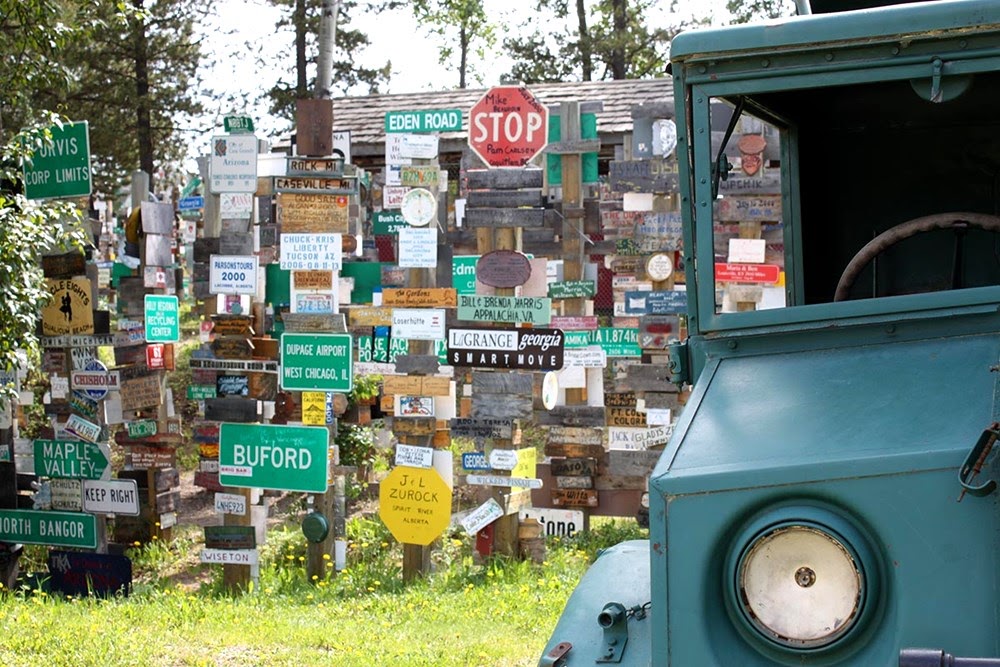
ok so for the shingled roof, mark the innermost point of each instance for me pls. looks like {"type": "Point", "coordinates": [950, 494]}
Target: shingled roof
{"type": "Point", "coordinates": [365, 116]}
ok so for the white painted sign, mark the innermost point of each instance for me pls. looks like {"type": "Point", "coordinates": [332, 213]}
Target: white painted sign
{"type": "Point", "coordinates": [113, 496]}
{"type": "Point", "coordinates": [418, 323]}
{"type": "Point", "coordinates": [658, 417]}
{"type": "Point", "coordinates": [232, 274]}
{"type": "Point", "coordinates": [392, 196]}
{"type": "Point", "coordinates": [230, 556]}
{"type": "Point", "coordinates": [394, 150]}
{"type": "Point", "coordinates": [233, 165]}
{"type": "Point", "coordinates": [168, 520]}
{"type": "Point", "coordinates": [67, 494]}
{"type": "Point", "coordinates": [555, 522]}
{"type": "Point", "coordinates": [95, 380]}
{"type": "Point", "coordinates": [503, 459]}
{"type": "Point", "coordinates": [417, 248]}
{"type": "Point", "coordinates": [500, 480]}
{"type": "Point", "coordinates": [230, 503]}
{"type": "Point", "coordinates": [592, 356]}
{"type": "Point", "coordinates": [311, 252]}
{"type": "Point", "coordinates": [424, 146]}
{"type": "Point", "coordinates": [482, 516]}
{"type": "Point", "coordinates": [637, 437]}
{"type": "Point", "coordinates": [746, 251]}
{"type": "Point", "coordinates": [414, 457]}
{"type": "Point", "coordinates": [236, 205]}
{"type": "Point", "coordinates": [59, 386]}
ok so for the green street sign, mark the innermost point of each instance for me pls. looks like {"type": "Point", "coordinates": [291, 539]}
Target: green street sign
{"type": "Point", "coordinates": [162, 319]}
{"type": "Point", "coordinates": [199, 392]}
{"type": "Point", "coordinates": [388, 222]}
{"type": "Point", "coordinates": [463, 273]}
{"type": "Point", "coordinates": [267, 456]}
{"type": "Point", "coordinates": [54, 529]}
{"type": "Point", "coordinates": [69, 458]}
{"type": "Point", "coordinates": [238, 124]}
{"type": "Point", "coordinates": [616, 342]}
{"type": "Point", "coordinates": [572, 289]}
{"type": "Point", "coordinates": [316, 362]}
{"type": "Point", "coordinates": [62, 169]}
{"type": "Point", "coordinates": [426, 120]}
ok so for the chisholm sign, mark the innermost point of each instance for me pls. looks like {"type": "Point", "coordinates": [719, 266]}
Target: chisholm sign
{"type": "Point", "coordinates": [533, 349]}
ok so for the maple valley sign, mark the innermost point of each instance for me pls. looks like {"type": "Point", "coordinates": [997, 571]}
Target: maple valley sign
{"type": "Point", "coordinates": [532, 349]}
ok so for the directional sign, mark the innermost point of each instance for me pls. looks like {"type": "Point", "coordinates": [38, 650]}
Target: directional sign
{"type": "Point", "coordinates": [316, 362]}
{"type": "Point", "coordinates": [113, 496]}
{"type": "Point", "coordinates": [415, 504]}
{"type": "Point", "coordinates": [69, 458]}
{"type": "Point", "coordinates": [267, 456]}
{"type": "Point", "coordinates": [62, 169]}
{"type": "Point", "coordinates": [162, 319]}
{"type": "Point", "coordinates": [58, 529]}
{"type": "Point", "coordinates": [508, 126]}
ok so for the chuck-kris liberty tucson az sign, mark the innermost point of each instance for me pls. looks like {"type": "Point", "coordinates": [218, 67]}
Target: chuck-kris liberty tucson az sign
{"type": "Point", "coordinates": [531, 349]}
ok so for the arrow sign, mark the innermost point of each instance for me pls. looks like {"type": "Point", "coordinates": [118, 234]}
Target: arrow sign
{"type": "Point", "coordinates": [69, 458]}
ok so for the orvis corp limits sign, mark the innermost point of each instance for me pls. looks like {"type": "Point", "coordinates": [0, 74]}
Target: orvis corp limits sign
{"type": "Point", "coordinates": [267, 456]}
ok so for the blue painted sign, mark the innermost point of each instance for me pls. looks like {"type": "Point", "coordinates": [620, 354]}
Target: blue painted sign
{"type": "Point", "coordinates": [664, 302]}
{"type": "Point", "coordinates": [192, 203]}
{"type": "Point", "coordinates": [75, 573]}
{"type": "Point", "coordinates": [475, 461]}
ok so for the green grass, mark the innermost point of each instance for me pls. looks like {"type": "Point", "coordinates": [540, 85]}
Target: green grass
{"type": "Point", "coordinates": [466, 612]}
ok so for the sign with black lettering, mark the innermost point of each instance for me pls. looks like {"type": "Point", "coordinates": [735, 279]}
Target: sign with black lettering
{"type": "Point", "coordinates": [532, 349]}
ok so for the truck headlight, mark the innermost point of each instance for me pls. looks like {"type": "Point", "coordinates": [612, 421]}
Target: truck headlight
{"type": "Point", "coordinates": [802, 577]}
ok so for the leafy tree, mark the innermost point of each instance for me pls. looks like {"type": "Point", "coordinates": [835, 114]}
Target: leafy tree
{"type": "Point", "coordinates": [746, 11]}
{"type": "Point", "coordinates": [294, 81]}
{"type": "Point", "coordinates": [609, 40]}
{"type": "Point", "coordinates": [465, 29]}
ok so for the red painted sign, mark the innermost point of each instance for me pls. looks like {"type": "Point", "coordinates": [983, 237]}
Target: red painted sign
{"type": "Point", "coordinates": [574, 322]}
{"type": "Point", "coordinates": [508, 126]}
{"type": "Point", "coordinates": [747, 273]}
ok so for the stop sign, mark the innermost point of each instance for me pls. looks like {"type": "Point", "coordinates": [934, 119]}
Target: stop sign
{"type": "Point", "coordinates": [508, 126]}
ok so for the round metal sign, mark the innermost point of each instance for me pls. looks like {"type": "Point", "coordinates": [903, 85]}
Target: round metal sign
{"type": "Point", "coordinates": [95, 376]}
{"type": "Point", "coordinates": [503, 268]}
{"type": "Point", "coordinates": [419, 207]}
{"type": "Point", "coordinates": [550, 389]}
{"type": "Point", "coordinates": [659, 266]}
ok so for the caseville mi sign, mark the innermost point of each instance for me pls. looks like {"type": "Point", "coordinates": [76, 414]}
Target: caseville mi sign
{"type": "Point", "coordinates": [531, 349]}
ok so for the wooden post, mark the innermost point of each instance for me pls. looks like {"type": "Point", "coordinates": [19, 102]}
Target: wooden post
{"type": "Point", "coordinates": [236, 578]}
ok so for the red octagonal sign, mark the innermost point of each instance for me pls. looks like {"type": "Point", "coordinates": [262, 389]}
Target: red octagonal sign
{"type": "Point", "coordinates": [508, 126]}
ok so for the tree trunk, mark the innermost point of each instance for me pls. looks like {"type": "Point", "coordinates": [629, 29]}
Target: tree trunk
{"type": "Point", "coordinates": [620, 22]}
{"type": "Point", "coordinates": [301, 84]}
{"type": "Point", "coordinates": [586, 57]}
{"type": "Point", "coordinates": [463, 37]}
{"type": "Point", "coordinates": [327, 41]}
{"type": "Point", "coordinates": [144, 130]}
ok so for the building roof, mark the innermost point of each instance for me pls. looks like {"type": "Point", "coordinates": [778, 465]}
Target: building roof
{"type": "Point", "coordinates": [365, 116]}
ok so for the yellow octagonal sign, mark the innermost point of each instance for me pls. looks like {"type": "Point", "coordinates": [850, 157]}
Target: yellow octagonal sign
{"type": "Point", "coordinates": [415, 504]}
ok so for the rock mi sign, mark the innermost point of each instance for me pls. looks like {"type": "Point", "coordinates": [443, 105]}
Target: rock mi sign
{"type": "Point", "coordinates": [508, 126]}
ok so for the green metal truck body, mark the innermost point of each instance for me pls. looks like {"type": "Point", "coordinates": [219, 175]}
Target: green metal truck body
{"type": "Point", "coordinates": [806, 509]}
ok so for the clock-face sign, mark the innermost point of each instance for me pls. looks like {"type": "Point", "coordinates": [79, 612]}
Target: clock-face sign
{"type": "Point", "coordinates": [419, 207]}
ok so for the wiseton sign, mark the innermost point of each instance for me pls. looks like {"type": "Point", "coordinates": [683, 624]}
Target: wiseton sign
{"type": "Point", "coordinates": [532, 349]}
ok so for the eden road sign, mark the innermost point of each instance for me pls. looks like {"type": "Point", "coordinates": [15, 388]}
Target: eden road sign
{"type": "Point", "coordinates": [267, 456]}
{"type": "Point", "coordinates": [56, 529]}
{"type": "Point", "coordinates": [316, 362]}
{"type": "Point", "coordinates": [415, 504]}
{"type": "Point", "coordinates": [508, 126]}
{"type": "Point", "coordinates": [425, 120]}
{"type": "Point", "coordinates": [62, 169]}
{"type": "Point", "coordinates": [162, 319]}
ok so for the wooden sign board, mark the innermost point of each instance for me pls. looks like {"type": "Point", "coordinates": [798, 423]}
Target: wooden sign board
{"type": "Point", "coordinates": [574, 450]}
{"type": "Point", "coordinates": [141, 392]}
{"type": "Point", "coordinates": [420, 297]}
{"type": "Point", "coordinates": [369, 316]}
{"type": "Point", "coordinates": [648, 175]}
{"type": "Point", "coordinates": [502, 383]}
{"type": "Point", "coordinates": [144, 457]}
{"type": "Point", "coordinates": [416, 385]}
{"type": "Point", "coordinates": [482, 428]}
{"type": "Point", "coordinates": [231, 409]}
{"type": "Point", "coordinates": [503, 269]}
{"type": "Point", "coordinates": [414, 425]}
{"type": "Point", "coordinates": [66, 264]}
{"type": "Point", "coordinates": [504, 179]}
{"type": "Point", "coordinates": [631, 462]}
{"type": "Point", "coordinates": [571, 415]}
{"type": "Point", "coordinates": [313, 185]}
{"type": "Point", "coordinates": [620, 399]}
{"type": "Point", "coordinates": [314, 126]}
{"type": "Point", "coordinates": [574, 498]}
{"type": "Point", "coordinates": [573, 466]}
{"type": "Point", "coordinates": [232, 347]}
{"type": "Point", "coordinates": [624, 417]}
{"type": "Point", "coordinates": [230, 537]}
{"type": "Point", "coordinates": [232, 325]}
{"type": "Point", "coordinates": [504, 218]}
{"type": "Point", "coordinates": [576, 434]}
{"type": "Point", "coordinates": [501, 406]}
{"type": "Point", "coordinates": [312, 280]}
{"type": "Point", "coordinates": [574, 481]}
{"type": "Point", "coordinates": [743, 208]}
{"type": "Point", "coordinates": [313, 213]}
{"type": "Point", "coordinates": [262, 386]}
